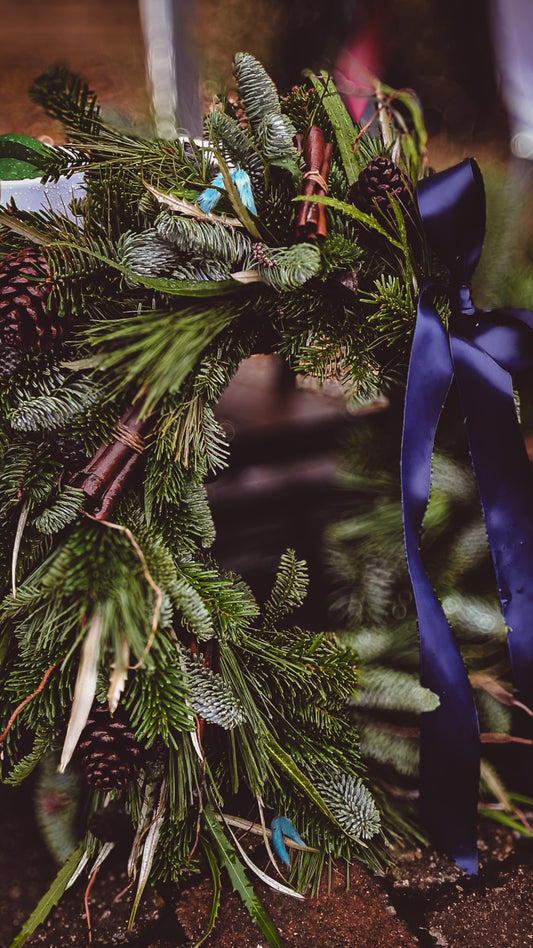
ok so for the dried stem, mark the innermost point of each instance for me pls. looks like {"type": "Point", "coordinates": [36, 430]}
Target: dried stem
{"type": "Point", "coordinates": [26, 701]}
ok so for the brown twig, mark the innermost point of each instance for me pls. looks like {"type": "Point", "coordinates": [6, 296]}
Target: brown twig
{"type": "Point", "coordinates": [26, 701]}
{"type": "Point", "coordinates": [491, 738]}
{"type": "Point", "coordinates": [86, 904]}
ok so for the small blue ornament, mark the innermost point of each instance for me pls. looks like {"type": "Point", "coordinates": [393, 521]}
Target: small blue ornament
{"type": "Point", "coordinates": [209, 198]}
{"type": "Point", "coordinates": [281, 826]}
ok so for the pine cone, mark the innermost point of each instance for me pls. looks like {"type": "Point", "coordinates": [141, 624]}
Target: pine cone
{"type": "Point", "coordinates": [377, 183]}
{"type": "Point", "coordinates": [109, 751]}
{"type": "Point", "coordinates": [27, 320]}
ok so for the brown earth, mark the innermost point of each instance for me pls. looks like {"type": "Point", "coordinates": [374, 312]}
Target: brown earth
{"type": "Point", "coordinates": [422, 900]}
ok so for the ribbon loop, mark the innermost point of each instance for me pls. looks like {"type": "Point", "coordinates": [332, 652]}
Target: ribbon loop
{"type": "Point", "coordinates": [479, 351]}
{"type": "Point", "coordinates": [452, 208]}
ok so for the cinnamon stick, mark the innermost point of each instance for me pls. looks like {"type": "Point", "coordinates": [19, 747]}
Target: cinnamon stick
{"type": "Point", "coordinates": [311, 218]}
{"type": "Point", "coordinates": [104, 477]}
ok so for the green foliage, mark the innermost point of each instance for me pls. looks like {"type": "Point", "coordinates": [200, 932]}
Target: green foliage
{"type": "Point", "coordinates": [63, 510]}
{"type": "Point", "coordinates": [272, 131]}
{"type": "Point", "coordinates": [56, 409]}
{"type": "Point", "coordinates": [351, 804]}
{"type": "Point", "coordinates": [49, 899]}
{"type": "Point", "coordinates": [289, 589]}
{"type": "Point", "coordinates": [161, 302]}
{"type": "Point", "coordinates": [64, 96]}
{"type": "Point", "coordinates": [237, 146]}
{"type": "Point", "coordinates": [211, 699]}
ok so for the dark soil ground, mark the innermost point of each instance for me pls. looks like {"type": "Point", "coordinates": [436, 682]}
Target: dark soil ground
{"type": "Point", "coordinates": [422, 900]}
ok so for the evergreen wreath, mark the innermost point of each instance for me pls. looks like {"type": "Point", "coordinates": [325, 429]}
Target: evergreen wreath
{"type": "Point", "coordinates": [123, 645]}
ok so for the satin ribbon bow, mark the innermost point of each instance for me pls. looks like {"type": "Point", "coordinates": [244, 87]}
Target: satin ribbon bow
{"type": "Point", "coordinates": [479, 351]}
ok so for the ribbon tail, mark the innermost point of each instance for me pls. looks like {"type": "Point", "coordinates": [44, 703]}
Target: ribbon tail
{"type": "Point", "coordinates": [449, 736]}
{"type": "Point", "coordinates": [505, 484]}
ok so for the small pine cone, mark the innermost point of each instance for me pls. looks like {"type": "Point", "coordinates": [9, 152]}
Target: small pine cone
{"type": "Point", "coordinates": [27, 320]}
{"type": "Point", "coordinates": [377, 183]}
{"type": "Point", "coordinates": [260, 254]}
{"type": "Point", "coordinates": [10, 359]}
{"type": "Point", "coordinates": [109, 751]}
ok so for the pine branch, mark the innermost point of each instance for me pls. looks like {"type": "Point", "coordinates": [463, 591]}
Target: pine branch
{"type": "Point", "coordinates": [56, 409]}
{"type": "Point", "coordinates": [289, 590]}
{"type": "Point", "coordinates": [64, 96]}
{"type": "Point", "coordinates": [158, 349]}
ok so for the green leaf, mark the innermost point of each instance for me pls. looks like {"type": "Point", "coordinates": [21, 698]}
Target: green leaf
{"type": "Point", "coordinates": [351, 211]}
{"type": "Point", "coordinates": [341, 120]}
{"type": "Point", "coordinates": [498, 817]}
{"type": "Point", "coordinates": [241, 211]}
{"type": "Point", "coordinates": [215, 904]}
{"type": "Point", "coordinates": [22, 157]}
{"type": "Point", "coordinates": [188, 287]}
{"type": "Point", "coordinates": [286, 762]}
{"type": "Point", "coordinates": [50, 898]}
{"type": "Point", "coordinates": [241, 885]}
{"type": "Point", "coordinates": [417, 116]}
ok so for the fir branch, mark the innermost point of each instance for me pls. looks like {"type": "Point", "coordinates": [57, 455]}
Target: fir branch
{"type": "Point", "coordinates": [351, 802]}
{"type": "Point", "coordinates": [391, 689]}
{"type": "Point", "coordinates": [206, 239]}
{"type": "Point", "coordinates": [158, 350]}
{"type": "Point", "coordinates": [237, 146]}
{"type": "Point", "coordinates": [56, 409]}
{"type": "Point", "coordinates": [211, 697]}
{"type": "Point", "coordinates": [289, 268]}
{"type": "Point", "coordinates": [61, 511]}
{"type": "Point", "coordinates": [43, 739]}
{"type": "Point", "coordinates": [289, 590]}
{"type": "Point", "coordinates": [64, 96]}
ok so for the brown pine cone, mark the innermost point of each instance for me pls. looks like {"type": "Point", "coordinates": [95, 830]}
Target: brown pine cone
{"type": "Point", "coordinates": [377, 183]}
{"type": "Point", "coordinates": [109, 751]}
{"type": "Point", "coordinates": [29, 320]}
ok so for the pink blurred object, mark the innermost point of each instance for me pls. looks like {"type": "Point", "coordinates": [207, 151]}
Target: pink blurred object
{"type": "Point", "coordinates": [358, 63]}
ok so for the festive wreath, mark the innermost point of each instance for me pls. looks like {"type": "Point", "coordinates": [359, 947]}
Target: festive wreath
{"type": "Point", "coordinates": [127, 654]}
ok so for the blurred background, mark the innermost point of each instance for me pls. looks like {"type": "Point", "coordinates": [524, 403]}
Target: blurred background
{"type": "Point", "coordinates": [442, 48]}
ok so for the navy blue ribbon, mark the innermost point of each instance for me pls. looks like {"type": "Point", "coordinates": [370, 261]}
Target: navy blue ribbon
{"type": "Point", "coordinates": [479, 350]}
